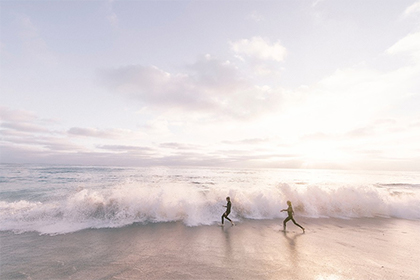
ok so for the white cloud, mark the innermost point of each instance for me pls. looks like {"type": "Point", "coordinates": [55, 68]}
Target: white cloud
{"type": "Point", "coordinates": [409, 45]}
{"type": "Point", "coordinates": [413, 9]}
{"type": "Point", "coordinates": [22, 121]}
{"type": "Point", "coordinates": [96, 133]}
{"type": "Point", "coordinates": [212, 87]}
{"type": "Point", "coordinates": [357, 95]}
{"type": "Point", "coordinates": [24, 127]}
{"type": "Point", "coordinates": [125, 148]}
{"type": "Point", "coordinates": [9, 115]}
{"type": "Point", "coordinates": [152, 86]}
{"type": "Point", "coordinates": [260, 49]}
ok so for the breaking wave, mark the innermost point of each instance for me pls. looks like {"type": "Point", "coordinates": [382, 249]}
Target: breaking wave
{"type": "Point", "coordinates": [202, 205]}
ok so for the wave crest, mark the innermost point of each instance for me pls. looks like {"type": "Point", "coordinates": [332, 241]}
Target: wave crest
{"type": "Point", "coordinates": [125, 205]}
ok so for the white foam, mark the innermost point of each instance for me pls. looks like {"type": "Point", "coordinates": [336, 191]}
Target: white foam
{"type": "Point", "coordinates": [196, 205]}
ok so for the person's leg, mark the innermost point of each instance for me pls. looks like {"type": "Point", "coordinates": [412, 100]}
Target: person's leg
{"type": "Point", "coordinates": [293, 220]}
{"type": "Point", "coordinates": [284, 223]}
{"type": "Point", "coordinates": [223, 216]}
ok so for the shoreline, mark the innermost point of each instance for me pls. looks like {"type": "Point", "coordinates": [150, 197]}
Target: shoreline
{"type": "Point", "coordinates": [331, 248]}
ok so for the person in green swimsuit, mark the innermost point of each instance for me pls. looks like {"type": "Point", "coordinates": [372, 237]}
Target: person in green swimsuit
{"type": "Point", "coordinates": [290, 216]}
{"type": "Point", "coordinates": [228, 208]}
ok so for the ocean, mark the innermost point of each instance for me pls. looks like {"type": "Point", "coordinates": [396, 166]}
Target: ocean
{"type": "Point", "coordinates": [46, 206]}
{"type": "Point", "coordinates": [63, 199]}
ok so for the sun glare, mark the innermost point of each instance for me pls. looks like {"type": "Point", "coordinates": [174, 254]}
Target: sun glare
{"type": "Point", "coordinates": [323, 154]}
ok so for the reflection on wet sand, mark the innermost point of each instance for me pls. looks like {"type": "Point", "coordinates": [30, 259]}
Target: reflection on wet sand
{"type": "Point", "coordinates": [294, 263]}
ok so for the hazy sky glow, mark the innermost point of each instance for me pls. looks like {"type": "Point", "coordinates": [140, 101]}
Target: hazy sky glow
{"type": "Point", "coordinates": [293, 84]}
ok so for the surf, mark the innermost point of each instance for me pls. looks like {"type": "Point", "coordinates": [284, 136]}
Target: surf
{"type": "Point", "coordinates": [124, 205]}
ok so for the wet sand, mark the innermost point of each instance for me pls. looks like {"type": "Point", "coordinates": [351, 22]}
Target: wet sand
{"type": "Point", "coordinates": [376, 248]}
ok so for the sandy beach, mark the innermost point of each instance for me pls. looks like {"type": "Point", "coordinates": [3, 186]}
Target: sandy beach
{"type": "Point", "coordinates": [369, 248]}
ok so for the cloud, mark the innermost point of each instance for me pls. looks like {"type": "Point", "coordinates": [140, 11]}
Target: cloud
{"type": "Point", "coordinates": [216, 75]}
{"type": "Point", "coordinates": [209, 86]}
{"type": "Point", "coordinates": [25, 136]}
{"type": "Point", "coordinates": [250, 141]}
{"type": "Point", "coordinates": [96, 133]}
{"type": "Point", "coordinates": [153, 86]}
{"type": "Point", "coordinates": [24, 127]}
{"type": "Point", "coordinates": [379, 128]}
{"type": "Point", "coordinates": [178, 146]}
{"type": "Point", "coordinates": [370, 92]}
{"type": "Point", "coordinates": [409, 45]}
{"type": "Point", "coordinates": [9, 115]}
{"type": "Point", "coordinates": [126, 148]}
{"type": "Point", "coordinates": [61, 145]}
{"type": "Point", "coordinates": [22, 121]}
{"type": "Point", "coordinates": [126, 155]}
{"type": "Point", "coordinates": [318, 136]}
{"type": "Point", "coordinates": [413, 9]}
{"type": "Point", "coordinates": [260, 49]}
{"type": "Point", "coordinates": [39, 143]}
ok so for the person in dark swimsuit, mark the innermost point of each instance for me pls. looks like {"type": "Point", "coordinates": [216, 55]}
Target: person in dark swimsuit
{"type": "Point", "coordinates": [226, 214]}
{"type": "Point", "coordinates": [290, 216]}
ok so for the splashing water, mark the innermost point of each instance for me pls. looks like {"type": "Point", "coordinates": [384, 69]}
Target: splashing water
{"type": "Point", "coordinates": [65, 199]}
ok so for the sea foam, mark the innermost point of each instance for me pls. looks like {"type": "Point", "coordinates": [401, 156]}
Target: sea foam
{"type": "Point", "coordinates": [196, 204]}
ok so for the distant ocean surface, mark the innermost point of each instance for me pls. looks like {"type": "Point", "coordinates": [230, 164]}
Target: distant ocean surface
{"type": "Point", "coordinates": [63, 199]}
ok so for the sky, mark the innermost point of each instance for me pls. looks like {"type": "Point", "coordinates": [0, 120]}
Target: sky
{"type": "Point", "coordinates": [281, 84]}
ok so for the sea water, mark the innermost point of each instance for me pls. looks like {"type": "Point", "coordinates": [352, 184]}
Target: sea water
{"type": "Point", "coordinates": [62, 199]}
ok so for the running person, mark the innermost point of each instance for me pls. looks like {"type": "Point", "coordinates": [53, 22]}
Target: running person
{"type": "Point", "coordinates": [226, 214]}
{"type": "Point", "coordinates": [290, 213]}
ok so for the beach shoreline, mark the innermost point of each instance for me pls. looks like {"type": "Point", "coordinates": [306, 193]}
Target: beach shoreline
{"type": "Point", "coordinates": [363, 248]}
